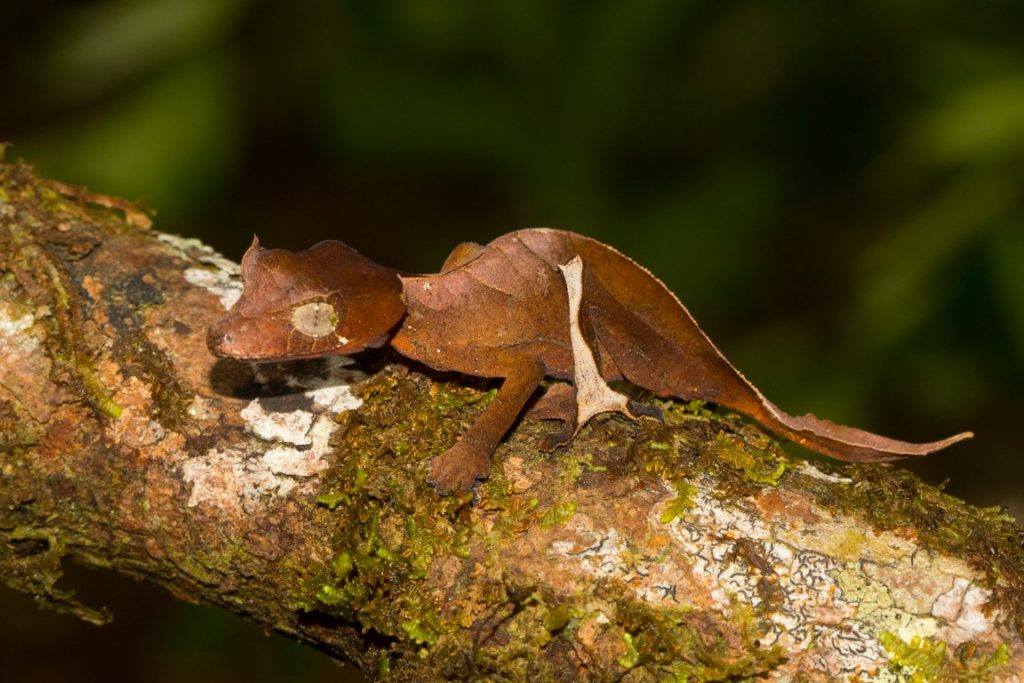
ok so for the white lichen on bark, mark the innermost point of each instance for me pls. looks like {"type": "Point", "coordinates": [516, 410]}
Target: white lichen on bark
{"type": "Point", "coordinates": [833, 584]}
{"type": "Point", "coordinates": [220, 276]}
{"type": "Point", "coordinates": [287, 448]}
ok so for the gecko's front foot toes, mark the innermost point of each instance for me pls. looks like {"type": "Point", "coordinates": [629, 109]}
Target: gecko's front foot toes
{"type": "Point", "coordinates": [457, 469]}
{"type": "Point", "coordinates": [637, 409]}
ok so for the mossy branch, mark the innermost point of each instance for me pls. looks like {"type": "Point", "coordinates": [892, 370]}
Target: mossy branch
{"type": "Point", "coordinates": [294, 495]}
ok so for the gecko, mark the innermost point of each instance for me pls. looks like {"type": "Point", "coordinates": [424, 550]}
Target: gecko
{"type": "Point", "coordinates": [532, 304]}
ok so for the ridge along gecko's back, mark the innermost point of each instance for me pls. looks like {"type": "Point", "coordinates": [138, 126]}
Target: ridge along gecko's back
{"type": "Point", "coordinates": [516, 278]}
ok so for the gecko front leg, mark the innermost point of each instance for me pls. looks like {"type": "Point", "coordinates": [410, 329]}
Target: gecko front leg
{"type": "Point", "coordinates": [458, 468]}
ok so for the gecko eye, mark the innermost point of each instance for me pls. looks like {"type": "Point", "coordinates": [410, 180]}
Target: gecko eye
{"type": "Point", "coordinates": [314, 319]}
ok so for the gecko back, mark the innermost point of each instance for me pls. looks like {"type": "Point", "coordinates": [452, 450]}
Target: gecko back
{"type": "Point", "coordinates": [655, 343]}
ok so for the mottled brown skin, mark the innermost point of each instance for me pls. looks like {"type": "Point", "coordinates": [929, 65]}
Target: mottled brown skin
{"type": "Point", "coordinates": [502, 310]}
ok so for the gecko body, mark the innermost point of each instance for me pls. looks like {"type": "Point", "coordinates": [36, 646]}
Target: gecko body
{"type": "Point", "coordinates": [531, 304]}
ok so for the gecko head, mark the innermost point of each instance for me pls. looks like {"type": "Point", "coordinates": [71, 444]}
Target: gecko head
{"type": "Point", "coordinates": [326, 300]}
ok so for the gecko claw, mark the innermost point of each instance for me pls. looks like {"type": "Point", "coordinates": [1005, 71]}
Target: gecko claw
{"type": "Point", "coordinates": [637, 409]}
{"type": "Point", "coordinates": [458, 469]}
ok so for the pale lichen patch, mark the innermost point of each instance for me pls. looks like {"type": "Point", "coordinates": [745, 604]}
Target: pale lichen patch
{"type": "Point", "coordinates": [292, 462]}
{"type": "Point", "coordinates": [199, 408]}
{"type": "Point", "coordinates": [918, 580]}
{"type": "Point", "coordinates": [217, 282]}
{"type": "Point", "coordinates": [220, 277]}
{"type": "Point", "coordinates": [808, 469]}
{"type": "Point", "coordinates": [24, 363]}
{"type": "Point", "coordinates": [288, 448]}
{"type": "Point", "coordinates": [962, 608]}
{"type": "Point", "coordinates": [231, 481]}
{"type": "Point", "coordinates": [193, 248]}
{"type": "Point", "coordinates": [14, 324]}
{"type": "Point", "coordinates": [822, 586]}
{"type": "Point", "coordinates": [287, 427]}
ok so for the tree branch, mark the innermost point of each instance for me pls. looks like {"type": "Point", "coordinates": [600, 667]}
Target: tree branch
{"type": "Point", "coordinates": [294, 495]}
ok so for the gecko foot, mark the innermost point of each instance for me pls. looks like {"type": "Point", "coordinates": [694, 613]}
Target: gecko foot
{"type": "Point", "coordinates": [458, 468]}
{"type": "Point", "coordinates": [637, 409]}
{"type": "Point", "coordinates": [553, 440]}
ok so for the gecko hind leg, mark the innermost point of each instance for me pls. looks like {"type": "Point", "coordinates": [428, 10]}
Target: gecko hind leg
{"type": "Point", "coordinates": [558, 402]}
{"type": "Point", "coordinates": [593, 395]}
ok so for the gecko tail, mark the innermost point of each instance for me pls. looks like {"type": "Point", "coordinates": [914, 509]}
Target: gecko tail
{"type": "Point", "coordinates": [847, 443]}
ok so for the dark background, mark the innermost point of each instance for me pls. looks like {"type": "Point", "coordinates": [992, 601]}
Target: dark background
{"type": "Point", "coordinates": [834, 192]}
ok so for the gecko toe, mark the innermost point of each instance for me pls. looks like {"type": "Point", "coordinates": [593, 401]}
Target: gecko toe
{"type": "Point", "coordinates": [638, 409]}
{"type": "Point", "coordinates": [457, 469]}
{"type": "Point", "coordinates": [560, 437]}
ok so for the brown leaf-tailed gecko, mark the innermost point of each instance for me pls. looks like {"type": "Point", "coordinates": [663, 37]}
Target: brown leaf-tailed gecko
{"type": "Point", "coordinates": [531, 304]}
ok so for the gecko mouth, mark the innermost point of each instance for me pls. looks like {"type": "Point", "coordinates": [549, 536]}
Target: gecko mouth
{"type": "Point", "coordinates": [218, 341]}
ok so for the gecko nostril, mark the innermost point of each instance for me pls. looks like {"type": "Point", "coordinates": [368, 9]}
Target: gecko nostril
{"type": "Point", "coordinates": [217, 341]}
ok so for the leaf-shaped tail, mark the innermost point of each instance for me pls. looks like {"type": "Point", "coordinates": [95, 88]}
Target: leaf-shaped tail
{"type": "Point", "coordinates": [842, 442]}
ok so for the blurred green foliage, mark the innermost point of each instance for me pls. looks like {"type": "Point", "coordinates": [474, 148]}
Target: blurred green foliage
{"type": "Point", "coordinates": [834, 190]}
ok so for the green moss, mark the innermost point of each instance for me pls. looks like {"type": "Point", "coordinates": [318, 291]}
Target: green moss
{"type": "Point", "coordinates": [96, 392]}
{"type": "Point", "coordinates": [921, 657]}
{"type": "Point", "coordinates": [331, 500]}
{"type": "Point", "coordinates": [420, 633]}
{"type": "Point", "coordinates": [342, 565]}
{"type": "Point", "coordinates": [632, 656]}
{"type": "Point", "coordinates": [557, 514]}
{"type": "Point", "coordinates": [361, 477]}
{"type": "Point", "coordinates": [976, 666]}
{"type": "Point", "coordinates": [755, 466]}
{"type": "Point", "coordinates": [683, 501]}
{"type": "Point", "coordinates": [517, 516]}
{"type": "Point", "coordinates": [684, 645]}
{"type": "Point", "coordinates": [449, 397]}
{"type": "Point", "coordinates": [391, 524]}
{"type": "Point", "coordinates": [688, 410]}
{"type": "Point", "coordinates": [573, 464]}
{"type": "Point", "coordinates": [392, 529]}
{"type": "Point", "coordinates": [557, 618]}
{"type": "Point", "coordinates": [925, 660]}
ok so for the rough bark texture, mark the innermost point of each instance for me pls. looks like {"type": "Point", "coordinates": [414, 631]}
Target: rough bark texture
{"type": "Point", "coordinates": [294, 495]}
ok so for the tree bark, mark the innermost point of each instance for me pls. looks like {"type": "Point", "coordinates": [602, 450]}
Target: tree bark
{"type": "Point", "coordinates": [294, 494]}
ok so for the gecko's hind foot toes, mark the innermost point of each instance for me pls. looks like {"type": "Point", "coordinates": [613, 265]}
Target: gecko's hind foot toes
{"type": "Point", "coordinates": [550, 442]}
{"type": "Point", "coordinates": [637, 409]}
{"type": "Point", "coordinates": [458, 469]}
